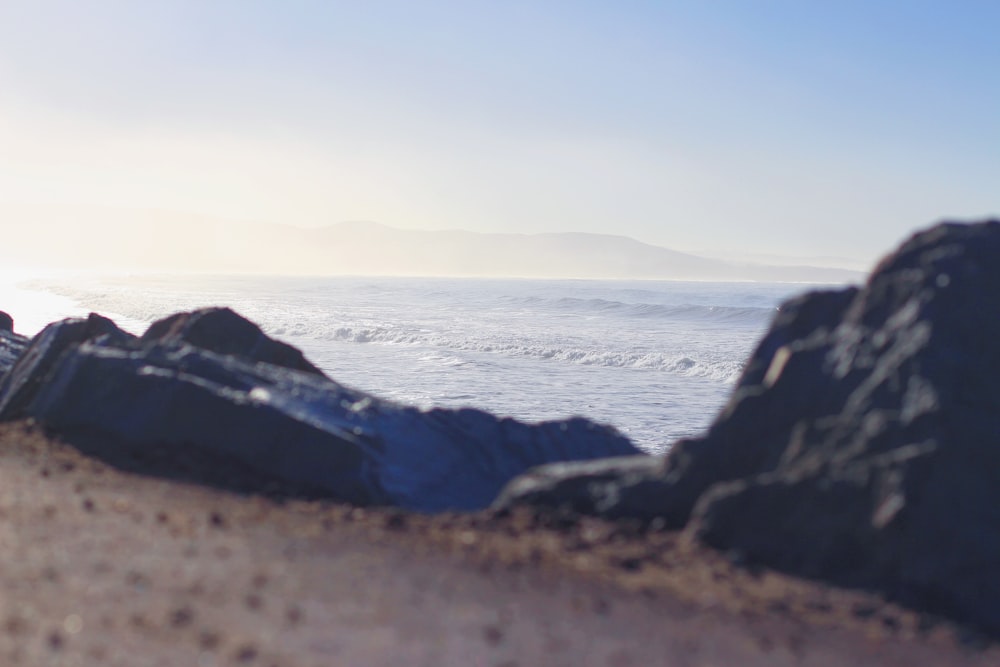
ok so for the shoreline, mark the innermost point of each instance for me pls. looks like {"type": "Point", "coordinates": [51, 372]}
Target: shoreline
{"type": "Point", "coordinates": [114, 568]}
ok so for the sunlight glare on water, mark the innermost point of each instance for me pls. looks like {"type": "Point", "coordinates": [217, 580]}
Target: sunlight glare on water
{"type": "Point", "coordinates": [33, 309]}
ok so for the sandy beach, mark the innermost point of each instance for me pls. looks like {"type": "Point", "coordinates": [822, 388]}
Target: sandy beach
{"type": "Point", "coordinates": [105, 567]}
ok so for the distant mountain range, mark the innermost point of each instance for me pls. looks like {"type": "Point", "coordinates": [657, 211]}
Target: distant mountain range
{"type": "Point", "coordinates": [160, 241]}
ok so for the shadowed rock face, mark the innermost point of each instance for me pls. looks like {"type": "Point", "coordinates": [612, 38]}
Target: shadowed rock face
{"type": "Point", "coordinates": [861, 445]}
{"type": "Point", "coordinates": [209, 386]}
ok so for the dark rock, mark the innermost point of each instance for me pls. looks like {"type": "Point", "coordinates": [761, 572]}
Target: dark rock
{"type": "Point", "coordinates": [461, 459]}
{"type": "Point", "coordinates": [12, 347]}
{"type": "Point", "coordinates": [6, 323]}
{"type": "Point", "coordinates": [591, 487]}
{"type": "Point", "coordinates": [862, 444]}
{"type": "Point", "coordinates": [259, 416]}
{"type": "Point", "coordinates": [223, 331]}
{"type": "Point", "coordinates": [890, 476]}
{"type": "Point", "coordinates": [297, 429]}
{"type": "Point", "coordinates": [34, 364]}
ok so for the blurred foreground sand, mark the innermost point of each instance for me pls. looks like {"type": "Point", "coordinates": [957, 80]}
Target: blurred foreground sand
{"type": "Point", "coordinates": [103, 567]}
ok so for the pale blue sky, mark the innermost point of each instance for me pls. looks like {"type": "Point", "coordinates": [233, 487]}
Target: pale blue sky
{"type": "Point", "coordinates": [788, 127]}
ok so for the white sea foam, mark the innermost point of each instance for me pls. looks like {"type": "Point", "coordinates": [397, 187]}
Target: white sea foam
{"type": "Point", "coordinates": [655, 359]}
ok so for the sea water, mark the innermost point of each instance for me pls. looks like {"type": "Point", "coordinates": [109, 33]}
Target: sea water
{"type": "Point", "coordinates": [654, 359]}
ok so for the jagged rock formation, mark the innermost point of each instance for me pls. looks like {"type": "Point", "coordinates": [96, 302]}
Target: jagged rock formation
{"type": "Point", "coordinates": [209, 383]}
{"type": "Point", "coordinates": [861, 445]}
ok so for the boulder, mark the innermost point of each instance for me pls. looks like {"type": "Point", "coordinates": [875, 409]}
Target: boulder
{"type": "Point", "coordinates": [862, 443]}
{"type": "Point", "coordinates": [223, 331]}
{"type": "Point", "coordinates": [282, 423]}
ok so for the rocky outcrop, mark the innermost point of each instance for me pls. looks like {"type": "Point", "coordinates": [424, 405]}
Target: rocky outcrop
{"type": "Point", "coordinates": [861, 445]}
{"type": "Point", "coordinates": [209, 383]}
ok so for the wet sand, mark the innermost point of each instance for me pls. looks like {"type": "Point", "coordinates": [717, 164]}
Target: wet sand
{"type": "Point", "coordinates": [106, 567]}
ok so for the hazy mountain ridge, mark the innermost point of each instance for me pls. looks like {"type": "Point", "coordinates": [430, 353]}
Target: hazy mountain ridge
{"type": "Point", "coordinates": [161, 241]}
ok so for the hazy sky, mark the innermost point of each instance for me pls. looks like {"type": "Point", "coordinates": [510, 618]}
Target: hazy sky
{"type": "Point", "coordinates": [797, 127]}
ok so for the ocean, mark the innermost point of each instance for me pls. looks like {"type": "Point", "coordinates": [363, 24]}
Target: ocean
{"type": "Point", "coordinates": [655, 359]}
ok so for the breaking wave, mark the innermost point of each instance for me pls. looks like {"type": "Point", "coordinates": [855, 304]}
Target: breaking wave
{"type": "Point", "coordinates": [661, 337]}
{"type": "Point", "coordinates": [684, 311]}
{"type": "Point", "coordinates": [655, 360]}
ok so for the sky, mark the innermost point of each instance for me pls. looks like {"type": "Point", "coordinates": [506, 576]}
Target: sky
{"type": "Point", "coordinates": [766, 127]}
